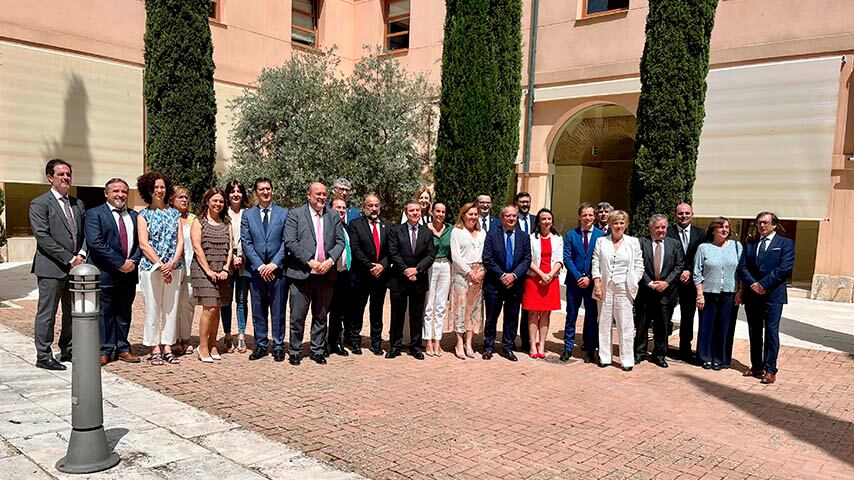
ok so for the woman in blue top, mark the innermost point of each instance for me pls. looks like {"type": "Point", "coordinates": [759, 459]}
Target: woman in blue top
{"type": "Point", "coordinates": [160, 272]}
{"type": "Point", "coordinates": [718, 289]}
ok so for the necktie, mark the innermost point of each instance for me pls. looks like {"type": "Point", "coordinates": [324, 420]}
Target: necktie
{"type": "Point", "coordinates": [685, 240]}
{"type": "Point", "coordinates": [265, 220]}
{"type": "Point", "coordinates": [586, 239]}
{"type": "Point", "coordinates": [508, 252]}
{"type": "Point", "coordinates": [659, 252]}
{"type": "Point", "coordinates": [525, 223]}
{"type": "Point", "coordinates": [318, 232]}
{"type": "Point", "coordinates": [123, 232]}
{"type": "Point", "coordinates": [412, 238]}
{"type": "Point", "coordinates": [483, 220]}
{"type": "Point", "coordinates": [376, 240]}
{"type": "Point", "coordinates": [72, 225]}
{"type": "Point", "coordinates": [762, 246]}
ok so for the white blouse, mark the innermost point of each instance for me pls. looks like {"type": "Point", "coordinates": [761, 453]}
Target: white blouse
{"type": "Point", "coordinates": [466, 249]}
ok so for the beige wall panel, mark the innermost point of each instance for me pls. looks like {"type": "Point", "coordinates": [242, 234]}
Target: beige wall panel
{"type": "Point", "coordinates": [86, 111]}
{"type": "Point", "coordinates": [225, 119]}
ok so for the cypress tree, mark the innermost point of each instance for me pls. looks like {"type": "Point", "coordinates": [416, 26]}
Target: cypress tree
{"type": "Point", "coordinates": [673, 73]}
{"type": "Point", "coordinates": [179, 94]}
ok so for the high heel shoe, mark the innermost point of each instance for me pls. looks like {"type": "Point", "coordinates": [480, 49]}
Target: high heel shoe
{"type": "Point", "coordinates": [241, 344]}
{"type": "Point", "coordinates": [216, 356]}
{"type": "Point", "coordinates": [204, 359]}
{"type": "Point", "coordinates": [437, 353]}
{"type": "Point", "coordinates": [469, 351]}
{"type": "Point", "coordinates": [541, 355]}
{"type": "Point", "coordinates": [533, 355]}
{"type": "Point", "coordinates": [461, 356]}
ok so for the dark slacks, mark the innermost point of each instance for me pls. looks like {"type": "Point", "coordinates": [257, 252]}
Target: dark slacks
{"type": "Point", "coordinates": [414, 300]}
{"type": "Point", "coordinates": [763, 324]}
{"type": "Point", "coordinates": [315, 292]}
{"type": "Point", "coordinates": [339, 318]}
{"type": "Point", "coordinates": [495, 301]}
{"type": "Point", "coordinates": [116, 305]}
{"type": "Point", "coordinates": [269, 300]}
{"type": "Point", "coordinates": [652, 311]}
{"type": "Point", "coordinates": [687, 308]}
{"type": "Point", "coordinates": [52, 291]}
{"type": "Point", "coordinates": [714, 328]}
{"type": "Point", "coordinates": [590, 336]}
{"type": "Point", "coordinates": [730, 339]}
{"type": "Point", "coordinates": [524, 333]}
{"type": "Point", "coordinates": [367, 287]}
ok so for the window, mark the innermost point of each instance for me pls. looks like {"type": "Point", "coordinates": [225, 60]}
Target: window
{"type": "Point", "coordinates": [304, 22]}
{"type": "Point", "coordinates": [215, 12]}
{"type": "Point", "coordinates": [596, 7]}
{"type": "Point", "coordinates": [397, 25]}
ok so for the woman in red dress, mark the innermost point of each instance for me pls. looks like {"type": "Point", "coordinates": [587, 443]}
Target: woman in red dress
{"type": "Point", "coordinates": [542, 290]}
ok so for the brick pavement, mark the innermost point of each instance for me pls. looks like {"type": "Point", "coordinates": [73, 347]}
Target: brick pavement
{"type": "Point", "coordinates": [446, 418]}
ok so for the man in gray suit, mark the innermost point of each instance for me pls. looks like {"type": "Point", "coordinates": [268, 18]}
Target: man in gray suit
{"type": "Point", "coordinates": [315, 239]}
{"type": "Point", "coordinates": [56, 219]}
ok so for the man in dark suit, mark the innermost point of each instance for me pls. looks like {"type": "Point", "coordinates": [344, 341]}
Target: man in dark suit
{"type": "Point", "coordinates": [690, 238]}
{"type": "Point", "coordinates": [341, 189]}
{"type": "Point", "coordinates": [764, 267]}
{"type": "Point", "coordinates": [56, 219]}
{"type": "Point", "coordinates": [412, 251]}
{"type": "Point", "coordinates": [111, 235]}
{"type": "Point", "coordinates": [603, 209]}
{"type": "Point", "coordinates": [526, 222]}
{"type": "Point", "coordinates": [315, 239]}
{"type": "Point", "coordinates": [370, 273]}
{"type": "Point", "coordinates": [656, 300]}
{"type": "Point", "coordinates": [342, 290]}
{"type": "Point", "coordinates": [578, 248]}
{"type": "Point", "coordinates": [262, 234]}
{"type": "Point", "coordinates": [506, 257]}
{"type": "Point", "coordinates": [484, 217]}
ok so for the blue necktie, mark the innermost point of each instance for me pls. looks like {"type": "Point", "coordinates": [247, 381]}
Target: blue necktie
{"type": "Point", "coordinates": [265, 221]}
{"type": "Point", "coordinates": [762, 248]}
{"type": "Point", "coordinates": [508, 252]}
{"type": "Point", "coordinates": [483, 220]}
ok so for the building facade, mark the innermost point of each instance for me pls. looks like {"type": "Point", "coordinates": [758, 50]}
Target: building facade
{"type": "Point", "coordinates": [779, 131]}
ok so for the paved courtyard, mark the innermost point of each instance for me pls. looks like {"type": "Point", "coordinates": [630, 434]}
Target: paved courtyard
{"type": "Point", "coordinates": [446, 418]}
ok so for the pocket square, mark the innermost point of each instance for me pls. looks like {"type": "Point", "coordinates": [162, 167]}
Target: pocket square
{"type": "Point", "coordinates": [775, 249]}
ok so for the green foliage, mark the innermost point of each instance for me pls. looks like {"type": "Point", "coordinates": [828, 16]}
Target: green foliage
{"type": "Point", "coordinates": [673, 73]}
{"type": "Point", "coordinates": [479, 104]}
{"type": "Point", "coordinates": [179, 94]}
{"type": "Point", "coordinates": [304, 123]}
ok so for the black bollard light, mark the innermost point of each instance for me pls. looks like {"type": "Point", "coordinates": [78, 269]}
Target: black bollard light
{"type": "Point", "coordinates": [88, 451]}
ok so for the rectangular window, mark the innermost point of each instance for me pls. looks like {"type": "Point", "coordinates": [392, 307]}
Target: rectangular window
{"type": "Point", "coordinates": [304, 22]}
{"type": "Point", "coordinates": [596, 7]}
{"type": "Point", "coordinates": [397, 25]}
{"type": "Point", "coordinates": [215, 12]}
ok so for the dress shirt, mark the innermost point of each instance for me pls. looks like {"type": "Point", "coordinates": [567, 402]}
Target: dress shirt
{"type": "Point", "coordinates": [525, 223]}
{"type": "Point", "coordinates": [512, 240]}
{"type": "Point", "coordinates": [769, 238]}
{"type": "Point", "coordinates": [687, 233]}
{"type": "Point", "coordinates": [466, 249]}
{"type": "Point", "coordinates": [59, 198]}
{"type": "Point", "coordinates": [715, 267]}
{"type": "Point", "coordinates": [124, 216]}
{"type": "Point", "coordinates": [663, 253]}
{"type": "Point", "coordinates": [409, 229]}
{"type": "Point", "coordinates": [484, 222]}
{"type": "Point", "coordinates": [318, 231]}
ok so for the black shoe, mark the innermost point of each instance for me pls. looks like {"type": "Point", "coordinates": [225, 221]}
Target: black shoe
{"type": "Point", "coordinates": [525, 347]}
{"type": "Point", "coordinates": [639, 358]}
{"type": "Point", "coordinates": [337, 349]}
{"type": "Point", "coordinates": [258, 353]}
{"type": "Point", "coordinates": [627, 369]}
{"type": "Point", "coordinates": [487, 355]}
{"type": "Point", "coordinates": [357, 350]}
{"type": "Point", "coordinates": [319, 359]}
{"type": "Point", "coordinates": [716, 367]}
{"type": "Point", "coordinates": [509, 355]}
{"type": "Point", "coordinates": [565, 356]}
{"type": "Point", "coordinates": [376, 350]}
{"type": "Point", "coordinates": [392, 353]}
{"type": "Point", "coordinates": [589, 357]}
{"type": "Point", "coordinates": [660, 361]}
{"type": "Point", "coordinates": [417, 354]}
{"type": "Point", "coordinates": [65, 355]}
{"type": "Point", "coordinates": [278, 355]}
{"type": "Point", "coordinates": [294, 359]}
{"type": "Point", "coordinates": [602, 365]}
{"type": "Point", "coordinates": [50, 364]}
{"type": "Point", "coordinates": [707, 365]}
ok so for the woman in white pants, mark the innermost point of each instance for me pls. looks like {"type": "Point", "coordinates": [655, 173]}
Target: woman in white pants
{"type": "Point", "coordinates": [467, 241]}
{"type": "Point", "coordinates": [161, 269]}
{"type": "Point", "coordinates": [186, 305]}
{"type": "Point", "coordinates": [617, 267]}
{"type": "Point", "coordinates": [440, 282]}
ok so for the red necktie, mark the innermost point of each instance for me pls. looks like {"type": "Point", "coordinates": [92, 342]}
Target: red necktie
{"type": "Point", "coordinates": [123, 233]}
{"type": "Point", "coordinates": [377, 240]}
{"type": "Point", "coordinates": [586, 241]}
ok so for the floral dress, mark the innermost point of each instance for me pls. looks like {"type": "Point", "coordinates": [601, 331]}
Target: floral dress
{"type": "Point", "coordinates": [162, 235]}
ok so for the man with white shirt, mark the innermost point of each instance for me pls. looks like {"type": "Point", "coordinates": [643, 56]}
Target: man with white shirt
{"type": "Point", "coordinates": [341, 291]}
{"type": "Point", "coordinates": [484, 217]}
{"type": "Point", "coordinates": [526, 223]}
{"type": "Point", "coordinates": [603, 209]}
{"type": "Point", "coordinates": [690, 237]}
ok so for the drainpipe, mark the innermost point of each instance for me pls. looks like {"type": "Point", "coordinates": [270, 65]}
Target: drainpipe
{"type": "Point", "coordinates": [532, 63]}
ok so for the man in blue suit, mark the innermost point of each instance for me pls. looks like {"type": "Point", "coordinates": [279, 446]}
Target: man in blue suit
{"type": "Point", "coordinates": [113, 243]}
{"type": "Point", "coordinates": [506, 257]}
{"type": "Point", "coordinates": [764, 267]}
{"type": "Point", "coordinates": [484, 217]}
{"type": "Point", "coordinates": [578, 258]}
{"type": "Point", "coordinates": [262, 233]}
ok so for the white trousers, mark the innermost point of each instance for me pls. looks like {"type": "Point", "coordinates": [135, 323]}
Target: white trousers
{"type": "Point", "coordinates": [439, 277]}
{"type": "Point", "coordinates": [186, 309]}
{"type": "Point", "coordinates": [161, 307]}
{"type": "Point", "coordinates": [616, 308]}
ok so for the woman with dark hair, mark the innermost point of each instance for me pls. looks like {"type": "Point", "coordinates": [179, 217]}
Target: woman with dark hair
{"type": "Point", "coordinates": [439, 277]}
{"type": "Point", "coordinates": [180, 201]}
{"type": "Point", "coordinates": [212, 244]}
{"type": "Point", "coordinates": [238, 201]}
{"type": "Point", "coordinates": [542, 292]}
{"type": "Point", "coordinates": [160, 271]}
{"type": "Point", "coordinates": [718, 289]}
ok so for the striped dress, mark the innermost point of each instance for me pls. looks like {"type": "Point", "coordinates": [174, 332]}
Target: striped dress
{"type": "Point", "coordinates": [216, 245]}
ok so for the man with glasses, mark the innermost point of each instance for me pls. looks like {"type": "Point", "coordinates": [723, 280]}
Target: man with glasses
{"type": "Point", "coordinates": [484, 217]}
{"type": "Point", "coordinates": [341, 190]}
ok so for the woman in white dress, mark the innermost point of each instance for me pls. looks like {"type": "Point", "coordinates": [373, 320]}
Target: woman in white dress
{"type": "Point", "coordinates": [467, 241]}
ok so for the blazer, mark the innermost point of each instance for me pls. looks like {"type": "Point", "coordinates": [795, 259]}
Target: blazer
{"type": "Point", "coordinates": [698, 237]}
{"type": "Point", "coordinates": [362, 245]}
{"type": "Point", "coordinates": [532, 220]}
{"type": "Point", "coordinates": [494, 260]}
{"type": "Point", "coordinates": [105, 248]}
{"type": "Point", "coordinates": [771, 272]}
{"type": "Point", "coordinates": [403, 257]}
{"type": "Point", "coordinates": [536, 251]}
{"type": "Point", "coordinates": [578, 263]}
{"type": "Point", "coordinates": [260, 248]}
{"type": "Point", "coordinates": [493, 222]}
{"type": "Point", "coordinates": [601, 267]}
{"type": "Point", "coordinates": [301, 242]}
{"type": "Point", "coordinates": [672, 267]}
{"type": "Point", "coordinates": [55, 247]}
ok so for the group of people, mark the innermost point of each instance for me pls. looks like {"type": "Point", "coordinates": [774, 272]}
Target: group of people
{"type": "Point", "coordinates": [444, 271]}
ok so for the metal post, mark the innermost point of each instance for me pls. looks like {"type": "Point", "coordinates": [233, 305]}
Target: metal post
{"type": "Point", "coordinates": [88, 451]}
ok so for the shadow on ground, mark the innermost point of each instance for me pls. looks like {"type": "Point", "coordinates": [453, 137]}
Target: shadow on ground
{"type": "Point", "coordinates": [17, 282]}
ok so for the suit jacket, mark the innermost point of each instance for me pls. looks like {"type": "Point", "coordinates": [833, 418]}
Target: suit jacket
{"type": "Point", "coordinates": [403, 257]}
{"type": "Point", "coordinates": [697, 238]}
{"type": "Point", "coordinates": [532, 220]}
{"type": "Point", "coordinates": [771, 272]}
{"type": "Point", "coordinates": [260, 248]}
{"type": "Point", "coordinates": [537, 251]}
{"type": "Point", "coordinates": [493, 222]}
{"type": "Point", "coordinates": [363, 249]}
{"type": "Point", "coordinates": [671, 268]}
{"type": "Point", "coordinates": [578, 262]}
{"type": "Point", "coordinates": [301, 242]}
{"type": "Point", "coordinates": [105, 247]}
{"type": "Point", "coordinates": [55, 247]}
{"type": "Point", "coordinates": [495, 260]}
{"type": "Point", "coordinates": [602, 267]}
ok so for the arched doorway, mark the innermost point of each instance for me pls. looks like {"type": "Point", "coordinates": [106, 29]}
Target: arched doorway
{"type": "Point", "coordinates": [591, 158]}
